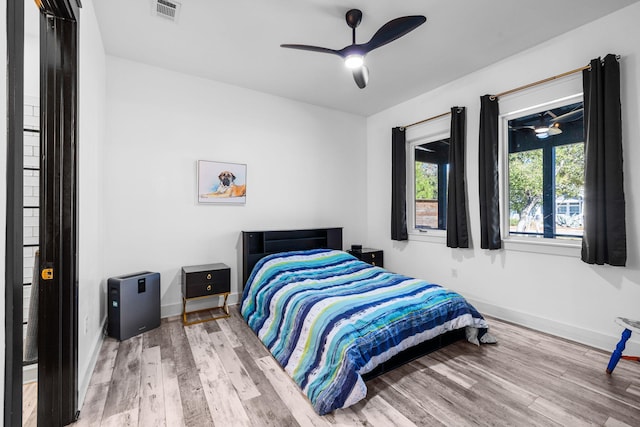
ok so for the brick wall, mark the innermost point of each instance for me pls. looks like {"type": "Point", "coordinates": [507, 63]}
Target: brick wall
{"type": "Point", "coordinates": [31, 192]}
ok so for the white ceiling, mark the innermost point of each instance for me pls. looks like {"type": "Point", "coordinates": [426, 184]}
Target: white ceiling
{"type": "Point", "coordinates": [237, 42]}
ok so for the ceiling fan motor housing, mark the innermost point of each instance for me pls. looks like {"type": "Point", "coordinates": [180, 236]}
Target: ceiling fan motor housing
{"type": "Point", "coordinates": [354, 17]}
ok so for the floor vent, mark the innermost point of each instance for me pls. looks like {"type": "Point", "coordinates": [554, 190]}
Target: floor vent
{"type": "Point", "coordinates": [167, 9]}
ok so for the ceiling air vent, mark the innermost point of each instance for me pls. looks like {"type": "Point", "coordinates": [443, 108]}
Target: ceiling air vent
{"type": "Point", "coordinates": [167, 9]}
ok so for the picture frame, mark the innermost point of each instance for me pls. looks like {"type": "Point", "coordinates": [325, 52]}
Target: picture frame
{"type": "Point", "coordinates": [221, 182]}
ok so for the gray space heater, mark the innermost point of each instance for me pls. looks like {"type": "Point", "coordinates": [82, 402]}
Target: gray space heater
{"type": "Point", "coordinates": [134, 304]}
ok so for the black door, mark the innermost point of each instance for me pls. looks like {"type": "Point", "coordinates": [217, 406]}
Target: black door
{"type": "Point", "coordinates": [58, 296]}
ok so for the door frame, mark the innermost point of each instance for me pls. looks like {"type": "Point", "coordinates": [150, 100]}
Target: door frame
{"type": "Point", "coordinates": [14, 215]}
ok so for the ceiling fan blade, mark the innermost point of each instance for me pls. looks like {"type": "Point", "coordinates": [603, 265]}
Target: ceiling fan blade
{"type": "Point", "coordinates": [393, 30]}
{"type": "Point", "coordinates": [568, 117]}
{"type": "Point", "coordinates": [310, 48]}
{"type": "Point", "coordinates": [361, 76]}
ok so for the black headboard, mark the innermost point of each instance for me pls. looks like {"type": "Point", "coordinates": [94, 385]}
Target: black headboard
{"type": "Point", "coordinates": [257, 244]}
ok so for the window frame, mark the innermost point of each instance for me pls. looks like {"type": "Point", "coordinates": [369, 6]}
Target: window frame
{"type": "Point", "coordinates": [555, 246]}
{"type": "Point", "coordinates": [432, 131]}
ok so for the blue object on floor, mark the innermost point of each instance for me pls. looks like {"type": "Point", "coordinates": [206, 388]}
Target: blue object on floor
{"type": "Point", "coordinates": [629, 326]}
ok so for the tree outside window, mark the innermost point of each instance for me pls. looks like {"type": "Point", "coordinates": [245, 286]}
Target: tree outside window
{"type": "Point", "coordinates": [546, 173]}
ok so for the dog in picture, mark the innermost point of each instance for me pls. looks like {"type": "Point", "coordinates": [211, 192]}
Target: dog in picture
{"type": "Point", "coordinates": [227, 187]}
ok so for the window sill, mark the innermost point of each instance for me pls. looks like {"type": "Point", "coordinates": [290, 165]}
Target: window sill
{"type": "Point", "coordinates": [544, 246]}
{"type": "Point", "coordinates": [548, 246]}
{"type": "Point", "coordinates": [431, 236]}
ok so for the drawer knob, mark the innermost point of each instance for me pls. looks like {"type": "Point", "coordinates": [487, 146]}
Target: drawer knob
{"type": "Point", "coordinates": [373, 263]}
{"type": "Point", "coordinates": [208, 276]}
{"type": "Point", "coordinates": [209, 287]}
{"type": "Point", "coordinates": [373, 255]}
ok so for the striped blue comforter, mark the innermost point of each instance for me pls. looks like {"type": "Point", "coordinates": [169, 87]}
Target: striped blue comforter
{"type": "Point", "coordinates": [328, 318]}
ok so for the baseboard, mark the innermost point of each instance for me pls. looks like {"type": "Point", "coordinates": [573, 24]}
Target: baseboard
{"type": "Point", "coordinates": [85, 379]}
{"type": "Point", "coordinates": [583, 336]}
{"type": "Point", "coordinates": [171, 310]}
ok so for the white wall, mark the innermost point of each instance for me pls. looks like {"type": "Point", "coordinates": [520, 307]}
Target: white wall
{"type": "Point", "coordinates": [91, 141]}
{"type": "Point", "coordinates": [305, 169]}
{"type": "Point", "coordinates": [32, 56]}
{"type": "Point", "coordinates": [558, 294]}
{"type": "Point", "coordinates": [3, 179]}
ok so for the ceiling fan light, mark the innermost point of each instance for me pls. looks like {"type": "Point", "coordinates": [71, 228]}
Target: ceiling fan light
{"type": "Point", "coordinates": [354, 61]}
{"type": "Point", "coordinates": [542, 135]}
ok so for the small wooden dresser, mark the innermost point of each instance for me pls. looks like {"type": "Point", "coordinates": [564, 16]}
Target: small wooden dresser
{"type": "Point", "coordinates": [369, 255]}
{"type": "Point", "coordinates": [205, 281]}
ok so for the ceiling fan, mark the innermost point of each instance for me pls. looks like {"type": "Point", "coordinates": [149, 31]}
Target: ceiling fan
{"type": "Point", "coordinates": [544, 130]}
{"type": "Point", "coordinates": [353, 55]}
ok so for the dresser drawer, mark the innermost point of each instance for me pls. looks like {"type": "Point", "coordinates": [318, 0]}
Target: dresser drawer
{"type": "Point", "coordinates": [202, 282]}
{"type": "Point", "coordinates": [370, 256]}
{"type": "Point", "coordinates": [373, 258]}
{"type": "Point", "coordinates": [203, 289]}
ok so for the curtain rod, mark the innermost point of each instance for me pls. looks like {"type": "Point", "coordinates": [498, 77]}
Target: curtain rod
{"type": "Point", "coordinates": [426, 120]}
{"type": "Point", "coordinates": [548, 79]}
{"type": "Point", "coordinates": [509, 92]}
{"type": "Point", "coordinates": [539, 82]}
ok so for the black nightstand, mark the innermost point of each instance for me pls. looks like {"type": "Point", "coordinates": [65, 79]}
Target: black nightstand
{"type": "Point", "coordinates": [369, 255]}
{"type": "Point", "coordinates": [204, 281]}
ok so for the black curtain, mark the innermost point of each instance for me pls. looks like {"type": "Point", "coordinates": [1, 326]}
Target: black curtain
{"type": "Point", "coordinates": [398, 185]}
{"type": "Point", "coordinates": [604, 240]}
{"type": "Point", "coordinates": [488, 174]}
{"type": "Point", "coordinates": [457, 229]}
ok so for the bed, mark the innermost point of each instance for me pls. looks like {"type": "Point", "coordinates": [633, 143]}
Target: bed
{"type": "Point", "coordinates": [332, 321]}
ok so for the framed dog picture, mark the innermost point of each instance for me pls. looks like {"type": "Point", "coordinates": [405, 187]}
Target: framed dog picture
{"type": "Point", "coordinates": [222, 183]}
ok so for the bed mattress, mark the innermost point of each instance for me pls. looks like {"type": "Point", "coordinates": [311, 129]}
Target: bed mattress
{"type": "Point", "coordinates": [328, 318]}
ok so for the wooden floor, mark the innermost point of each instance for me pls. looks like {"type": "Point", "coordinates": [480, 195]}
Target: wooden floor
{"type": "Point", "coordinates": [218, 373]}
{"type": "Point", "coordinates": [29, 402]}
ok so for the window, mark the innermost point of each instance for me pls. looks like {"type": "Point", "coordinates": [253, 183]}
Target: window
{"type": "Point", "coordinates": [427, 174]}
{"type": "Point", "coordinates": [546, 172]}
{"type": "Point", "coordinates": [430, 197]}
